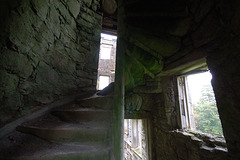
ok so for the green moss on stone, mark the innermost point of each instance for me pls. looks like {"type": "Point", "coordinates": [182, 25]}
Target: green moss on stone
{"type": "Point", "coordinates": [138, 64]}
{"type": "Point", "coordinates": [164, 46]}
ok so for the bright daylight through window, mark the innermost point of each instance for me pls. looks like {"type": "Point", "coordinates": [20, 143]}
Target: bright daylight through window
{"type": "Point", "coordinates": [106, 63]}
{"type": "Point", "coordinates": [197, 104]}
{"type": "Point", "coordinates": [135, 139]}
{"type": "Point", "coordinates": [103, 82]}
{"type": "Point", "coordinates": [105, 52]}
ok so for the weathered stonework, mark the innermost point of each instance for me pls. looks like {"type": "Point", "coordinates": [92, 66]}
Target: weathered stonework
{"type": "Point", "coordinates": [183, 40]}
{"type": "Point", "coordinates": [49, 49]}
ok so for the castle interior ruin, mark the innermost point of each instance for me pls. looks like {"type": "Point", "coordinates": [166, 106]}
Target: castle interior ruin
{"type": "Point", "coordinates": [50, 108]}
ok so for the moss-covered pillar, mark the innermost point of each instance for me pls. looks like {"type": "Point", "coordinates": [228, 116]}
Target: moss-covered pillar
{"type": "Point", "coordinates": [118, 119]}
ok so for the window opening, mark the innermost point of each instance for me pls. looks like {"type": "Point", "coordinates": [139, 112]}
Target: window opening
{"type": "Point", "coordinates": [198, 108]}
{"type": "Point", "coordinates": [103, 82]}
{"type": "Point", "coordinates": [105, 51]}
{"type": "Point", "coordinates": [135, 139]}
{"type": "Point", "coordinates": [106, 63]}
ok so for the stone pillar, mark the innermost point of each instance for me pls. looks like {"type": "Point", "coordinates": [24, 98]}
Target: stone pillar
{"type": "Point", "coordinates": [119, 91]}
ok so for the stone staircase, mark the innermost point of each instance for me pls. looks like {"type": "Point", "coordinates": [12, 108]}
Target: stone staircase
{"type": "Point", "coordinates": [80, 130]}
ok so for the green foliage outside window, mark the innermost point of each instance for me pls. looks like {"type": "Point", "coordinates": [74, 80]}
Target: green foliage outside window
{"type": "Point", "coordinates": [206, 113]}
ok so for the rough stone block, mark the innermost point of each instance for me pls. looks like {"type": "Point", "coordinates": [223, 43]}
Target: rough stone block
{"type": "Point", "coordinates": [63, 12]}
{"type": "Point", "coordinates": [84, 23]}
{"type": "Point", "coordinates": [26, 87]}
{"type": "Point", "coordinates": [69, 31]}
{"type": "Point", "coordinates": [40, 7]}
{"type": "Point", "coordinates": [87, 2]}
{"type": "Point", "coordinates": [207, 31]}
{"type": "Point", "coordinates": [74, 7]}
{"type": "Point", "coordinates": [46, 73]}
{"type": "Point", "coordinates": [17, 63]}
{"type": "Point", "coordinates": [88, 17]}
{"type": "Point", "coordinates": [61, 62]}
{"type": "Point", "coordinates": [81, 82]}
{"type": "Point", "coordinates": [13, 102]}
{"type": "Point", "coordinates": [8, 83]}
{"type": "Point", "coordinates": [53, 22]}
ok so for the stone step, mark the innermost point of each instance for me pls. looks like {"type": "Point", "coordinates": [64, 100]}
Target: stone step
{"type": "Point", "coordinates": [69, 133]}
{"type": "Point", "coordinates": [20, 146]}
{"type": "Point", "coordinates": [101, 154]}
{"type": "Point", "coordinates": [83, 115]}
{"type": "Point", "coordinates": [97, 102]}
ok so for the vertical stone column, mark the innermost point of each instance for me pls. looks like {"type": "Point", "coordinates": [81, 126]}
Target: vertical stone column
{"type": "Point", "coordinates": [119, 91]}
{"type": "Point", "coordinates": [170, 102]}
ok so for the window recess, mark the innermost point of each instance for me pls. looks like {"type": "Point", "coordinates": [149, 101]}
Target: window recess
{"type": "Point", "coordinates": [197, 105]}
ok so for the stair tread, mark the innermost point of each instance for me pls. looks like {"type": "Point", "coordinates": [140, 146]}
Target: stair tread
{"type": "Point", "coordinates": [93, 98]}
{"type": "Point", "coordinates": [65, 127]}
{"type": "Point", "coordinates": [53, 136]}
{"type": "Point", "coordinates": [81, 109]}
{"type": "Point", "coordinates": [17, 145]}
{"type": "Point", "coordinates": [52, 122]}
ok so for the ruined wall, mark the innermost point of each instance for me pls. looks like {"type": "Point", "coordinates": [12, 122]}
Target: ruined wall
{"type": "Point", "coordinates": [172, 143]}
{"type": "Point", "coordinates": [161, 108]}
{"type": "Point", "coordinates": [49, 49]}
{"type": "Point", "coordinates": [224, 66]}
{"type": "Point", "coordinates": [203, 29]}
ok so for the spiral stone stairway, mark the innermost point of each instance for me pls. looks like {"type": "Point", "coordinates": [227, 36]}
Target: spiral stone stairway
{"type": "Point", "coordinates": [80, 130]}
{"type": "Point", "coordinates": [156, 34]}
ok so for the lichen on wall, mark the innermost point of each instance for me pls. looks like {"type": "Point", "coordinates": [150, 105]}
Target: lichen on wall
{"type": "Point", "coordinates": [140, 64]}
{"type": "Point", "coordinates": [48, 49]}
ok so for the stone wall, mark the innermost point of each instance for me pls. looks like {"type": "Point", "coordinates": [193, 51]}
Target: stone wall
{"type": "Point", "coordinates": [202, 29]}
{"type": "Point", "coordinates": [224, 66]}
{"type": "Point", "coordinates": [172, 143]}
{"type": "Point", "coordinates": [49, 49]}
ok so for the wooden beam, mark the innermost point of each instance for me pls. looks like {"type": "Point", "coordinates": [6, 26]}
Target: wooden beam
{"type": "Point", "coordinates": [193, 61]}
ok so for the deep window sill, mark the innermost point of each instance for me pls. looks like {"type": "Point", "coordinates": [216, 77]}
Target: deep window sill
{"type": "Point", "coordinates": [206, 141]}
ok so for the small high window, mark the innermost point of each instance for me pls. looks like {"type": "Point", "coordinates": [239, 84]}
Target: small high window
{"type": "Point", "coordinates": [197, 104]}
{"type": "Point", "coordinates": [106, 63]}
